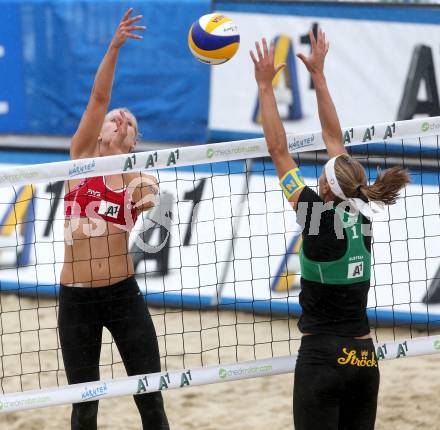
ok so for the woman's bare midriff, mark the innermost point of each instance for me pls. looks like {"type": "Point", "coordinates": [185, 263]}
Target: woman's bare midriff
{"type": "Point", "coordinates": [92, 257]}
{"type": "Point", "coordinates": [95, 261]}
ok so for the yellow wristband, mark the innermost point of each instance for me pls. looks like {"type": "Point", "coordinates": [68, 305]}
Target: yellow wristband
{"type": "Point", "coordinates": [291, 182]}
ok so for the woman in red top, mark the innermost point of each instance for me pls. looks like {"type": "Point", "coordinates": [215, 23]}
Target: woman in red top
{"type": "Point", "coordinates": [98, 287]}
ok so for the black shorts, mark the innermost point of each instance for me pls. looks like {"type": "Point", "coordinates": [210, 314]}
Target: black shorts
{"type": "Point", "coordinates": [121, 308]}
{"type": "Point", "coordinates": [336, 384]}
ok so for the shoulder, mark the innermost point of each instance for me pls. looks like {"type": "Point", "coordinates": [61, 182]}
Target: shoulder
{"type": "Point", "coordinates": [309, 203]}
{"type": "Point", "coordinates": [90, 151]}
{"type": "Point", "coordinates": [309, 195]}
{"type": "Point", "coordinates": [318, 218]}
{"type": "Point", "coordinates": [73, 185]}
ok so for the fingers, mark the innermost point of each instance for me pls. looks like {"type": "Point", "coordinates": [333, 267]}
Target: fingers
{"type": "Point", "coordinates": [150, 179]}
{"type": "Point", "coordinates": [272, 49]}
{"type": "Point", "coordinates": [118, 122]}
{"type": "Point", "coordinates": [133, 20]}
{"type": "Point", "coordinates": [321, 39]}
{"type": "Point", "coordinates": [134, 36]}
{"type": "Point", "coordinates": [135, 27]}
{"type": "Point", "coordinates": [265, 61]}
{"type": "Point", "coordinates": [124, 119]}
{"type": "Point", "coordinates": [263, 52]}
{"type": "Point", "coordinates": [253, 57]}
{"type": "Point", "coordinates": [260, 55]}
{"type": "Point", "coordinates": [265, 49]}
{"type": "Point", "coordinates": [126, 27]}
{"type": "Point", "coordinates": [305, 60]}
{"type": "Point", "coordinates": [152, 186]}
{"type": "Point", "coordinates": [127, 14]}
{"type": "Point", "coordinates": [302, 57]}
{"type": "Point", "coordinates": [126, 31]}
{"type": "Point", "coordinates": [151, 183]}
{"type": "Point", "coordinates": [312, 40]}
{"type": "Point", "coordinates": [320, 46]}
{"type": "Point", "coordinates": [122, 122]}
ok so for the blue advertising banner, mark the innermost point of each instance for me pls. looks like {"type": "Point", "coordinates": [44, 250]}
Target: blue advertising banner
{"type": "Point", "coordinates": [12, 114]}
{"type": "Point", "coordinates": [60, 49]}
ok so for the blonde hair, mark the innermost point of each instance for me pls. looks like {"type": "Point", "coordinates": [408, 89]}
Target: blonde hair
{"type": "Point", "coordinates": [124, 109]}
{"type": "Point", "coordinates": [353, 181]}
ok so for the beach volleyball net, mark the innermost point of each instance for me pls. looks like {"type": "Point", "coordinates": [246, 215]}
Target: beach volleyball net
{"type": "Point", "coordinates": [217, 261]}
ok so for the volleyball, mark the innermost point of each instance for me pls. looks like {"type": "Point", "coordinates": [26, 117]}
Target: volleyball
{"type": "Point", "coordinates": [213, 39]}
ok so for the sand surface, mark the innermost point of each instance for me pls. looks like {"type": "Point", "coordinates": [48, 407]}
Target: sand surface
{"type": "Point", "coordinates": [409, 389]}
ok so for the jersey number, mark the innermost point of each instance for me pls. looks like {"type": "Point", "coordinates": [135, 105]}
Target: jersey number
{"type": "Point", "coordinates": [355, 235]}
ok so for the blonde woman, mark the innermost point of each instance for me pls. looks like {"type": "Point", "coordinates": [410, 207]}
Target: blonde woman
{"type": "Point", "coordinates": [336, 375]}
{"type": "Point", "coordinates": [98, 287]}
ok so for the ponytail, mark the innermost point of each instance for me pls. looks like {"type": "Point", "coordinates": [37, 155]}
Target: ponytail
{"type": "Point", "coordinates": [387, 186]}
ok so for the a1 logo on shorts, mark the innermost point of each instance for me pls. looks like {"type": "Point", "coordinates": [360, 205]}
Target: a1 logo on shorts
{"type": "Point", "coordinates": [109, 209]}
{"type": "Point", "coordinates": [355, 270]}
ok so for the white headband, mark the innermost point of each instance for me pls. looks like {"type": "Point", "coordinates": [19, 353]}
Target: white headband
{"type": "Point", "coordinates": [356, 203]}
{"type": "Point", "coordinates": [332, 180]}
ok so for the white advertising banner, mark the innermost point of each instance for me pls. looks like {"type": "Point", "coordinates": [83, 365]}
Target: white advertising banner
{"type": "Point", "coordinates": [377, 71]}
{"type": "Point", "coordinates": [220, 235]}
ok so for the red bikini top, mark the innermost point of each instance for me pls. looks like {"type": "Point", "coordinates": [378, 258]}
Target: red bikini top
{"type": "Point", "coordinates": [91, 198]}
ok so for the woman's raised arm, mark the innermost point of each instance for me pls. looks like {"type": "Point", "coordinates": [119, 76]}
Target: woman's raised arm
{"type": "Point", "coordinates": [85, 140]}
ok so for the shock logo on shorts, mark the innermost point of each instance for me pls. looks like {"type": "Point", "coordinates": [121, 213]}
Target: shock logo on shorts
{"type": "Point", "coordinates": [352, 359]}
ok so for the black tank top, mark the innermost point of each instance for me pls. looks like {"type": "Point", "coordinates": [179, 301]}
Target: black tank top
{"type": "Point", "coordinates": [329, 308]}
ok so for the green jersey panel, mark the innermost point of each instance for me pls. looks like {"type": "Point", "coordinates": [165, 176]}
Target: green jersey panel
{"type": "Point", "coordinates": [353, 267]}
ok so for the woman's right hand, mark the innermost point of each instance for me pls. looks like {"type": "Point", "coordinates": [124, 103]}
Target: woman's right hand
{"type": "Point", "coordinates": [265, 69]}
{"type": "Point", "coordinates": [125, 28]}
{"type": "Point", "coordinates": [121, 131]}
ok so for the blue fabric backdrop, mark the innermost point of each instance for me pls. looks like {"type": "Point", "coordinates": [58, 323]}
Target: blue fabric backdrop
{"type": "Point", "coordinates": [53, 49]}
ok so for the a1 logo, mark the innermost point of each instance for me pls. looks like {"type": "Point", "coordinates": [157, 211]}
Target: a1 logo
{"type": "Point", "coordinates": [109, 209]}
{"type": "Point", "coordinates": [355, 270]}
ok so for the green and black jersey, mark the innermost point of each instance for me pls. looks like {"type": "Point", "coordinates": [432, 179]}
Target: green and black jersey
{"type": "Point", "coordinates": [335, 262]}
